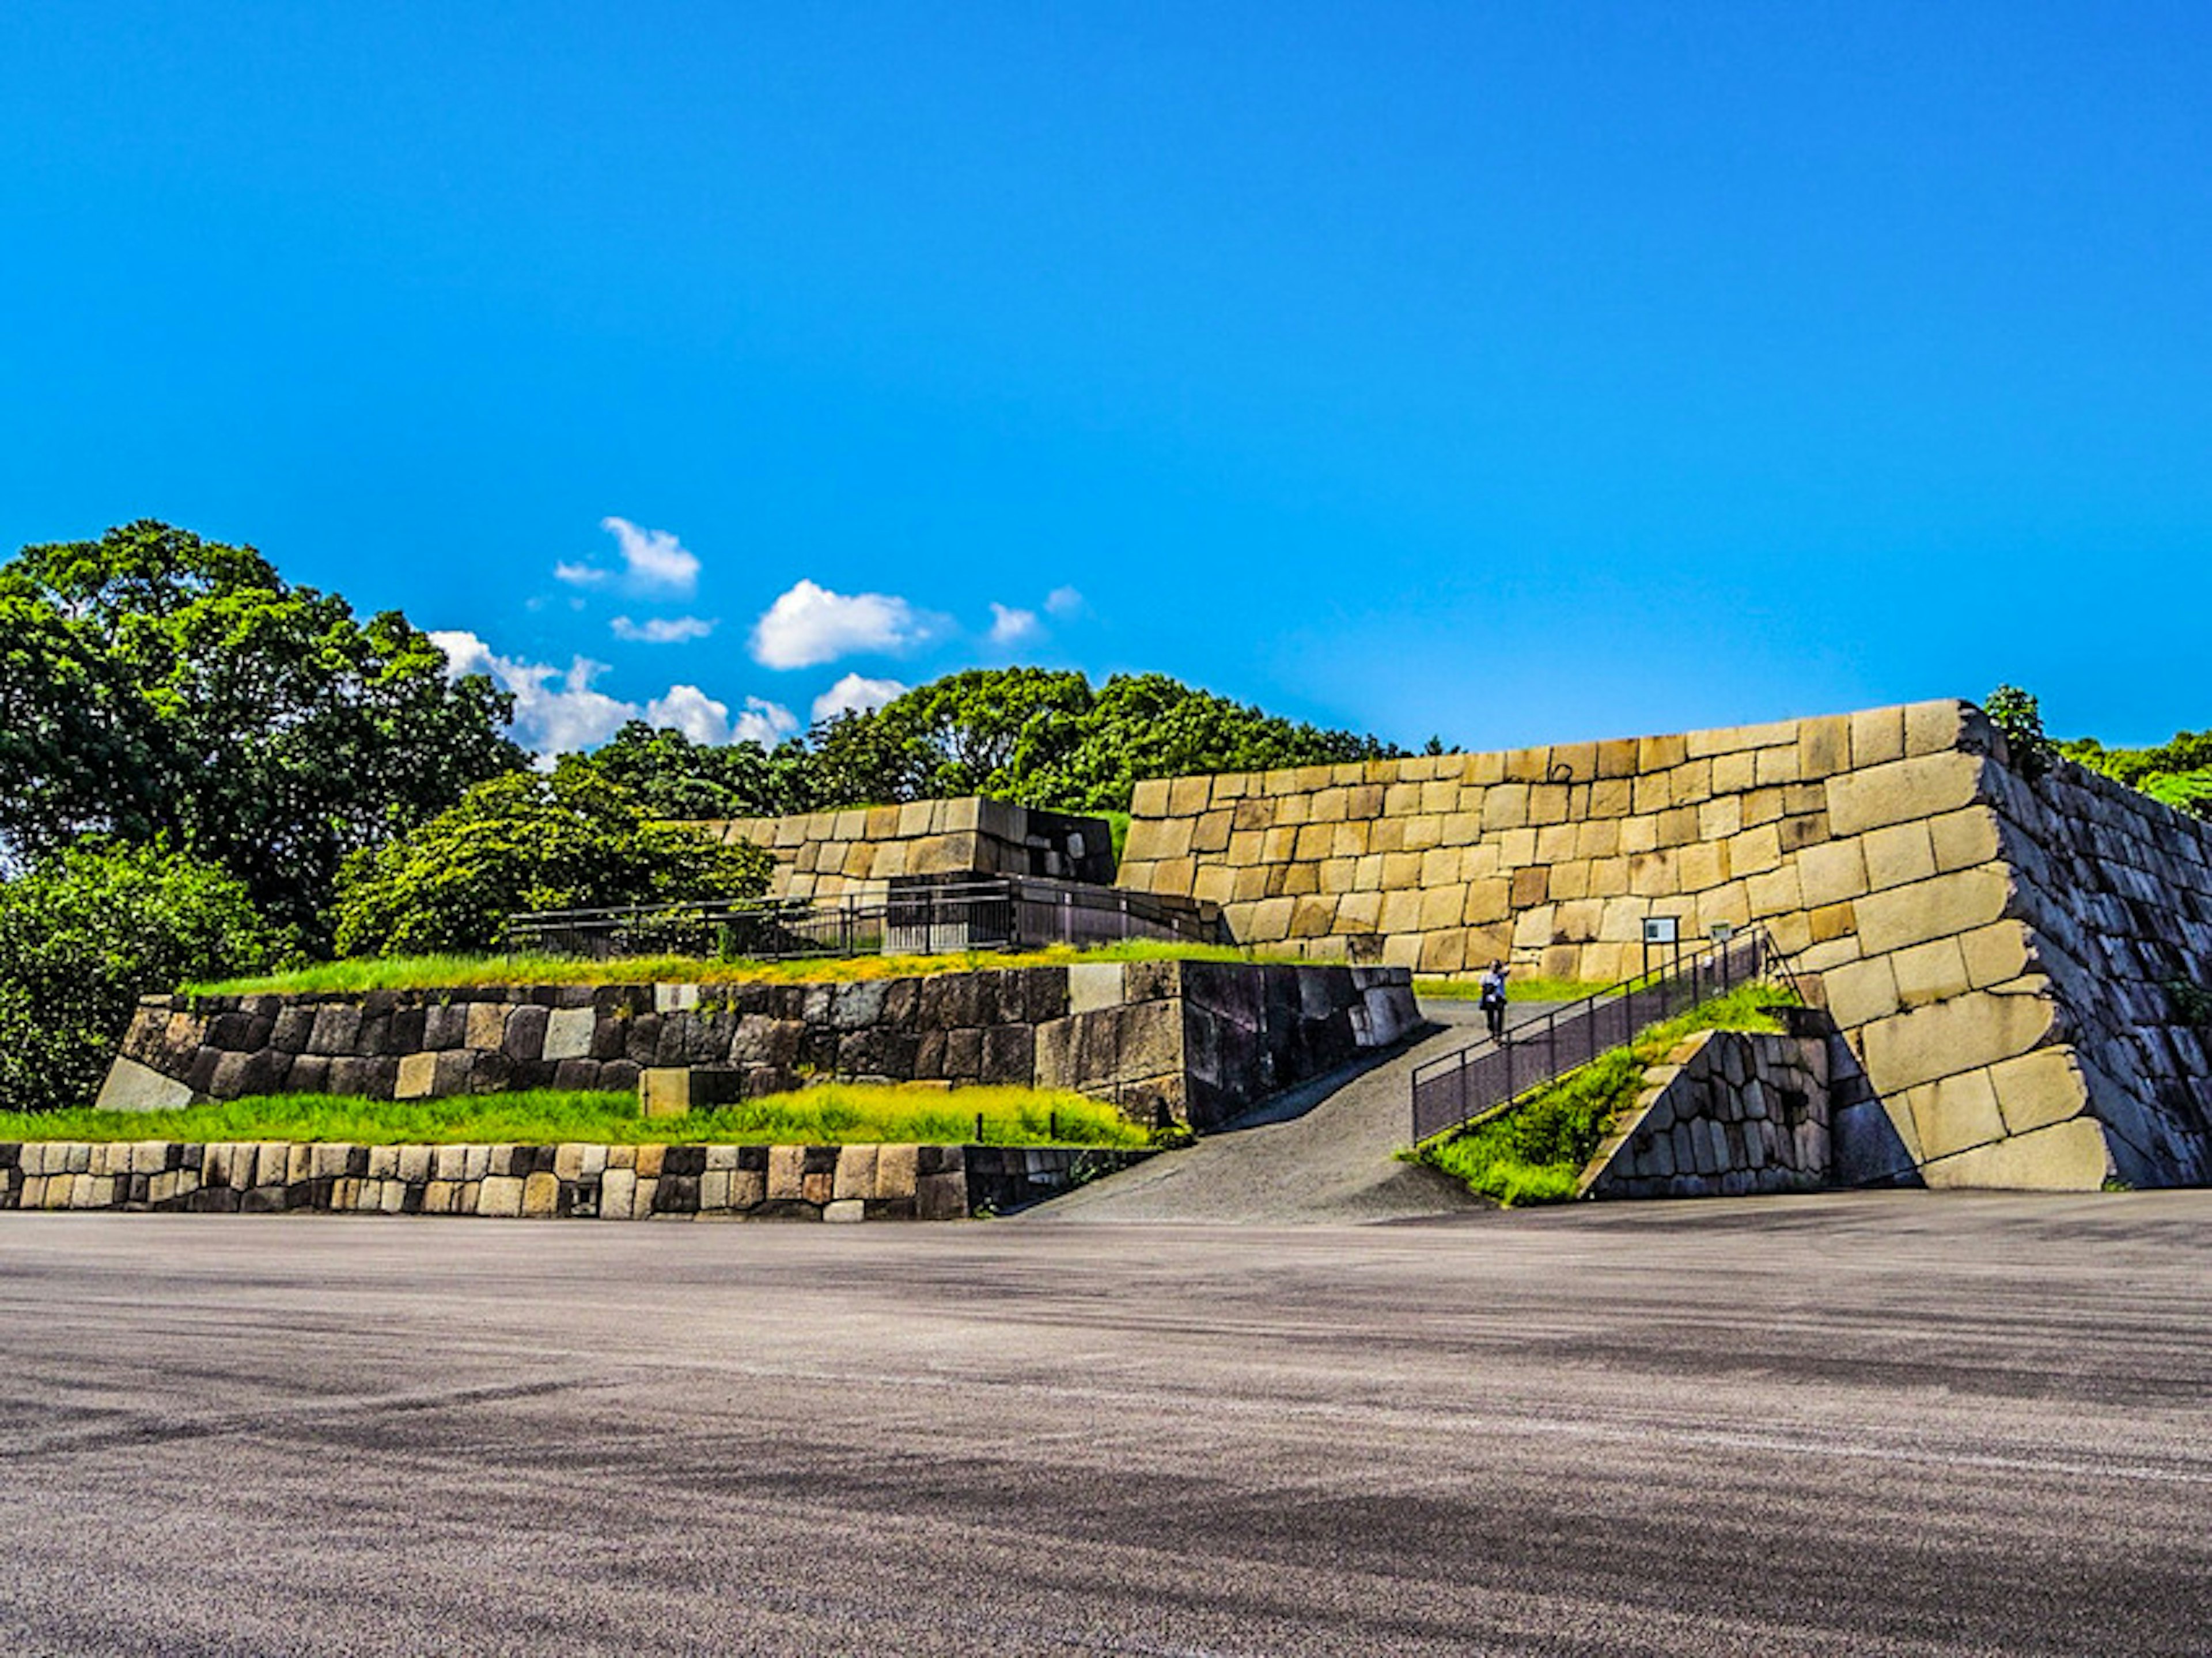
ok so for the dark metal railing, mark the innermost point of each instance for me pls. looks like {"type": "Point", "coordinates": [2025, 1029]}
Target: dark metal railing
{"type": "Point", "coordinates": [1457, 1088]}
{"type": "Point", "coordinates": [995, 913]}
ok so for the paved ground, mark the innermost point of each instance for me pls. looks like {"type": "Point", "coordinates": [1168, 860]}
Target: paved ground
{"type": "Point", "coordinates": [1895, 1424]}
{"type": "Point", "coordinates": [1322, 1152]}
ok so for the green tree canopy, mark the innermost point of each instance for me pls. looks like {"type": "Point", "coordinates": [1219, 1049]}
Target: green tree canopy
{"type": "Point", "coordinates": [1046, 738]}
{"type": "Point", "coordinates": [671, 776]}
{"type": "Point", "coordinates": [153, 685]}
{"type": "Point", "coordinates": [85, 931]}
{"type": "Point", "coordinates": [528, 841]}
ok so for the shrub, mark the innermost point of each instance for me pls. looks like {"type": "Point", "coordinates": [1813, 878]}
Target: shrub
{"type": "Point", "coordinates": [85, 932]}
{"type": "Point", "coordinates": [529, 842]}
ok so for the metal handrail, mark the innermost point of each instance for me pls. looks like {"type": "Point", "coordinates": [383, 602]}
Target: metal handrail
{"type": "Point", "coordinates": [1452, 1089]}
{"type": "Point", "coordinates": [995, 913]}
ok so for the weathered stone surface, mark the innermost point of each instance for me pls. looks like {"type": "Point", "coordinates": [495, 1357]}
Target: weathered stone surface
{"type": "Point", "coordinates": [131, 1086]}
{"type": "Point", "coordinates": [2069, 1156]}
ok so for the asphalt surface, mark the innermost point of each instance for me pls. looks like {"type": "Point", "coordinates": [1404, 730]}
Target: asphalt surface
{"type": "Point", "coordinates": [1322, 1152]}
{"type": "Point", "coordinates": [1895, 1424]}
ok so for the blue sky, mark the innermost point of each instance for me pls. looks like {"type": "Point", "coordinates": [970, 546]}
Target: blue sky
{"type": "Point", "coordinates": [1507, 373]}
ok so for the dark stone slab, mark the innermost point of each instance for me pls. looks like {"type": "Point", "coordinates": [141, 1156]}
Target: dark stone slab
{"type": "Point", "coordinates": [445, 1025]}
{"type": "Point", "coordinates": [1010, 1054]}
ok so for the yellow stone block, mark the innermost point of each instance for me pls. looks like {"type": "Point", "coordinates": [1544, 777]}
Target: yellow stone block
{"type": "Point", "coordinates": [1506, 807]}
{"type": "Point", "coordinates": [1877, 737]}
{"type": "Point", "coordinates": [1965, 838]}
{"type": "Point", "coordinates": [1899, 855]}
{"type": "Point", "coordinates": [1187, 796]}
{"type": "Point", "coordinates": [1831, 872]}
{"type": "Point", "coordinates": [1775, 894]}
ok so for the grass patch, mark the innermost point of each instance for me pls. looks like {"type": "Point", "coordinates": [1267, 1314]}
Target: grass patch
{"type": "Point", "coordinates": [1535, 1151]}
{"type": "Point", "coordinates": [834, 1114]}
{"type": "Point", "coordinates": [1516, 990]}
{"type": "Point", "coordinates": [462, 972]}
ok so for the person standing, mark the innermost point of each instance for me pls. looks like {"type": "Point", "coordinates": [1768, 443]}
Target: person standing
{"type": "Point", "coordinates": [1493, 1000]}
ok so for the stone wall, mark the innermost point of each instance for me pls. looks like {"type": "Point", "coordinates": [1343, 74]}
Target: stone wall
{"type": "Point", "coordinates": [1730, 1112]}
{"type": "Point", "coordinates": [574, 1181]}
{"type": "Point", "coordinates": [857, 852]}
{"type": "Point", "coordinates": [1991, 951]}
{"type": "Point", "coordinates": [1188, 1040]}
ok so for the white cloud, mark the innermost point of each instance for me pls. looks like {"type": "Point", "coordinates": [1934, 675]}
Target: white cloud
{"type": "Point", "coordinates": [763, 722]}
{"type": "Point", "coordinates": [1010, 626]}
{"type": "Point", "coordinates": [557, 710]}
{"type": "Point", "coordinates": [653, 562]}
{"type": "Point", "coordinates": [1063, 602]}
{"type": "Point", "coordinates": [662, 629]}
{"type": "Point", "coordinates": [810, 624]}
{"type": "Point", "coordinates": [854, 694]}
{"type": "Point", "coordinates": [691, 711]}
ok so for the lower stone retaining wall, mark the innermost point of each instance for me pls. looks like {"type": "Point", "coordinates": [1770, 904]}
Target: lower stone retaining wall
{"type": "Point", "coordinates": [1730, 1112]}
{"type": "Point", "coordinates": [572, 1181]}
{"type": "Point", "coordinates": [1192, 1041]}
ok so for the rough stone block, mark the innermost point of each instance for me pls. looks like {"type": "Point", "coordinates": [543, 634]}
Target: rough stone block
{"type": "Point", "coordinates": [1943, 1038]}
{"type": "Point", "coordinates": [131, 1086]}
{"type": "Point", "coordinates": [1930, 972]}
{"type": "Point", "coordinates": [2069, 1156]}
{"type": "Point", "coordinates": [1898, 855]}
{"type": "Point", "coordinates": [1938, 909]}
{"type": "Point", "coordinates": [2039, 1089]}
{"type": "Point", "coordinates": [568, 1033]}
{"type": "Point", "coordinates": [1903, 792]}
{"type": "Point", "coordinates": [499, 1196]}
{"type": "Point", "coordinates": [417, 1076]}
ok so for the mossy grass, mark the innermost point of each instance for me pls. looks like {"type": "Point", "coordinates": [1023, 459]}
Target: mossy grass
{"type": "Point", "coordinates": [1535, 1151]}
{"type": "Point", "coordinates": [833, 1113]}
{"type": "Point", "coordinates": [462, 972]}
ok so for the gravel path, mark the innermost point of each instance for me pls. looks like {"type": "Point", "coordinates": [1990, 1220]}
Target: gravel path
{"type": "Point", "coordinates": [1320, 1152]}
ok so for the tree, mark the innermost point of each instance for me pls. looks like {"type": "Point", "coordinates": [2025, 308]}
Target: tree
{"type": "Point", "coordinates": [1045, 739]}
{"type": "Point", "coordinates": [2017, 714]}
{"type": "Point", "coordinates": [528, 841]}
{"type": "Point", "coordinates": [1144, 725]}
{"type": "Point", "coordinates": [84, 932]}
{"type": "Point", "coordinates": [672, 776]}
{"type": "Point", "coordinates": [154, 684]}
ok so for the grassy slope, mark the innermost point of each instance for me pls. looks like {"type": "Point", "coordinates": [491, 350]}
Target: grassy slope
{"type": "Point", "coordinates": [458, 972]}
{"type": "Point", "coordinates": [1535, 1151]}
{"type": "Point", "coordinates": [834, 1113]}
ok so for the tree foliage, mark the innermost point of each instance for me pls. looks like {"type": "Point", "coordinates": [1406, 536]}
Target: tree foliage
{"type": "Point", "coordinates": [1042, 736]}
{"type": "Point", "coordinates": [2176, 773]}
{"type": "Point", "coordinates": [88, 929]}
{"type": "Point", "coordinates": [154, 684]}
{"type": "Point", "coordinates": [528, 841]}
{"type": "Point", "coordinates": [673, 776]}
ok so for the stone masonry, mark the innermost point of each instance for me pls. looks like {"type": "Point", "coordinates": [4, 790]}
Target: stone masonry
{"type": "Point", "coordinates": [860, 852]}
{"type": "Point", "coordinates": [1730, 1112]}
{"type": "Point", "coordinates": [573, 1182]}
{"type": "Point", "coordinates": [1996, 954]}
{"type": "Point", "coordinates": [1191, 1042]}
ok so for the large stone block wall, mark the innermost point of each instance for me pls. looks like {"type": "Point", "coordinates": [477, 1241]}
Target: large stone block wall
{"type": "Point", "coordinates": [572, 1181]}
{"type": "Point", "coordinates": [859, 852]}
{"type": "Point", "coordinates": [1991, 951]}
{"type": "Point", "coordinates": [1730, 1112]}
{"type": "Point", "coordinates": [1193, 1042]}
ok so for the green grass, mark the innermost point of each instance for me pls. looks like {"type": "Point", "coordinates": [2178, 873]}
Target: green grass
{"type": "Point", "coordinates": [462, 972]}
{"type": "Point", "coordinates": [1516, 989]}
{"type": "Point", "coordinates": [834, 1113]}
{"type": "Point", "coordinates": [1535, 1151]}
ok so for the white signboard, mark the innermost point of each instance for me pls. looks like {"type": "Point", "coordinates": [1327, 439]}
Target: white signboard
{"type": "Point", "coordinates": [1661, 929]}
